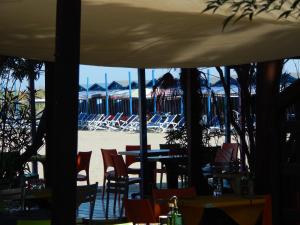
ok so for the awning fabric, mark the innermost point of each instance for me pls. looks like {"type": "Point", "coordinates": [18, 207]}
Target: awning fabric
{"type": "Point", "coordinates": [148, 33]}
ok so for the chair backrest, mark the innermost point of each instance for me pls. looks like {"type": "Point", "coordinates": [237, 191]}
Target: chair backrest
{"type": "Point", "coordinates": [83, 161]}
{"type": "Point", "coordinates": [166, 194]}
{"type": "Point", "coordinates": [139, 211]}
{"type": "Point", "coordinates": [106, 156]}
{"type": "Point", "coordinates": [132, 159]}
{"type": "Point", "coordinates": [227, 153]}
{"type": "Point", "coordinates": [119, 166]}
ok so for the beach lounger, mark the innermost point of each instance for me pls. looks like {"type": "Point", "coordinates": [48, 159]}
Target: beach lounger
{"type": "Point", "coordinates": [90, 124]}
{"type": "Point", "coordinates": [124, 123]}
{"type": "Point", "coordinates": [84, 122]}
{"type": "Point", "coordinates": [101, 125]}
{"type": "Point", "coordinates": [165, 126]}
{"type": "Point", "coordinates": [179, 124]}
{"type": "Point", "coordinates": [134, 125]}
{"type": "Point", "coordinates": [154, 122]}
{"type": "Point", "coordinates": [114, 123]}
{"type": "Point", "coordinates": [81, 119]}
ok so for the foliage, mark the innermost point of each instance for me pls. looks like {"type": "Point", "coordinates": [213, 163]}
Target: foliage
{"type": "Point", "coordinates": [14, 127]}
{"type": "Point", "coordinates": [15, 115]}
{"type": "Point", "coordinates": [179, 136]}
{"type": "Point", "coordinates": [249, 8]}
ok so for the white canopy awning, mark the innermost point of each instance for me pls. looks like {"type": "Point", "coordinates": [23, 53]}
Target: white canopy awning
{"type": "Point", "coordinates": [147, 33]}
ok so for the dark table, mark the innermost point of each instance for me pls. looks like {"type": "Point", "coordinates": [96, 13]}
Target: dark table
{"type": "Point", "coordinates": [172, 163]}
{"type": "Point", "coordinates": [151, 165]}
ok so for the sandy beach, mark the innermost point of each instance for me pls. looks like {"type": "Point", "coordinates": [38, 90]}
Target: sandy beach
{"type": "Point", "coordinates": [95, 140]}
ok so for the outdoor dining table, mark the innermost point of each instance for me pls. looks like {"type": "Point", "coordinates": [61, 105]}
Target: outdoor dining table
{"type": "Point", "coordinates": [151, 165]}
{"type": "Point", "coordinates": [172, 163]}
{"type": "Point", "coordinates": [150, 152]}
{"type": "Point", "coordinates": [242, 210]}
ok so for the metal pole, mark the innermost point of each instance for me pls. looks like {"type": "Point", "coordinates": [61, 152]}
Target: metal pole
{"type": "Point", "coordinates": [146, 190]}
{"type": "Point", "coordinates": [130, 94]}
{"type": "Point", "coordinates": [208, 98]}
{"type": "Point", "coordinates": [87, 96]}
{"type": "Point", "coordinates": [66, 79]}
{"type": "Point", "coordinates": [106, 96]}
{"type": "Point", "coordinates": [226, 106]}
{"type": "Point", "coordinates": [154, 100]}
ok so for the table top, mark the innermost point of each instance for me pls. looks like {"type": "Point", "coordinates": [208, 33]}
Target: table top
{"type": "Point", "coordinates": [244, 211]}
{"type": "Point", "coordinates": [222, 201]}
{"type": "Point", "coordinates": [38, 194]}
{"type": "Point", "coordinates": [167, 158]}
{"type": "Point", "coordinates": [149, 152]}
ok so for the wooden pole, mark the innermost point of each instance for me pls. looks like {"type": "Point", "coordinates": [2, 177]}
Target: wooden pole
{"type": "Point", "coordinates": [146, 190]}
{"type": "Point", "coordinates": [32, 115]}
{"type": "Point", "coordinates": [227, 106]}
{"type": "Point", "coordinates": [50, 129]}
{"type": "Point", "coordinates": [66, 79]}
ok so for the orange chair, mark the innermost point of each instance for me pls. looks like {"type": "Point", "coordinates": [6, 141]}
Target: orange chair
{"type": "Point", "coordinates": [139, 211]}
{"type": "Point", "coordinates": [120, 185]}
{"type": "Point", "coordinates": [83, 164]}
{"type": "Point", "coordinates": [107, 163]}
{"type": "Point", "coordinates": [129, 160]}
{"type": "Point", "coordinates": [165, 194]}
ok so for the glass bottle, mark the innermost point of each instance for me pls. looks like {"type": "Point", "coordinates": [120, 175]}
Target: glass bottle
{"type": "Point", "coordinates": [175, 218]}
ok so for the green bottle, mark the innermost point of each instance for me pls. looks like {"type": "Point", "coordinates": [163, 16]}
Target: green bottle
{"type": "Point", "coordinates": [175, 218]}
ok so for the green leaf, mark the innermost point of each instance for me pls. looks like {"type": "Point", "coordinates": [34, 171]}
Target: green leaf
{"type": "Point", "coordinates": [227, 20]}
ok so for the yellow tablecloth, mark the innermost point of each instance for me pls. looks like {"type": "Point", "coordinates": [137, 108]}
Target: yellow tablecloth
{"type": "Point", "coordinates": [244, 211]}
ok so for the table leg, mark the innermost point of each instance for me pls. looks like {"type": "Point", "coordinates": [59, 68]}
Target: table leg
{"type": "Point", "coordinates": [172, 174]}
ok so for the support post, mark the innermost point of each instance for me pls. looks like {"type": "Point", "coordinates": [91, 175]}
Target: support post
{"type": "Point", "coordinates": [106, 96]}
{"type": "Point", "coordinates": [154, 99]}
{"type": "Point", "coordinates": [32, 116]}
{"type": "Point", "coordinates": [87, 96]}
{"type": "Point", "coordinates": [208, 98]}
{"type": "Point", "coordinates": [193, 107]}
{"type": "Point", "coordinates": [227, 106]}
{"type": "Point", "coordinates": [50, 129]}
{"type": "Point", "coordinates": [146, 190]}
{"type": "Point", "coordinates": [66, 79]}
{"type": "Point", "coordinates": [130, 94]}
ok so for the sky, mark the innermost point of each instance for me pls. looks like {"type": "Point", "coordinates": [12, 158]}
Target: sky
{"type": "Point", "coordinates": [96, 74]}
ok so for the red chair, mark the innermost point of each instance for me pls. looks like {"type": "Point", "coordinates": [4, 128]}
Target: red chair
{"type": "Point", "coordinates": [129, 160]}
{"type": "Point", "coordinates": [83, 164]}
{"type": "Point", "coordinates": [108, 164]}
{"type": "Point", "coordinates": [227, 153]}
{"type": "Point", "coordinates": [165, 194]}
{"type": "Point", "coordinates": [139, 211]}
{"type": "Point", "coordinates": [119, 185]}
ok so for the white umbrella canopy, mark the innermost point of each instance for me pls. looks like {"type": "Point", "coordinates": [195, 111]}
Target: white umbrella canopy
{"type": "Point", "coordinates": [143, 33]}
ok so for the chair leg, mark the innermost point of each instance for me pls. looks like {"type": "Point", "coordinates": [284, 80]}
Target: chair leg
{"type": "Point", "coordinates": [125, 196]}
{"type": "Point", "coordinates": [107, 200]}
{"type": "Point", "coordinates": [103, 187]}
{"type": "Point", "coordinates": [115, 200]}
